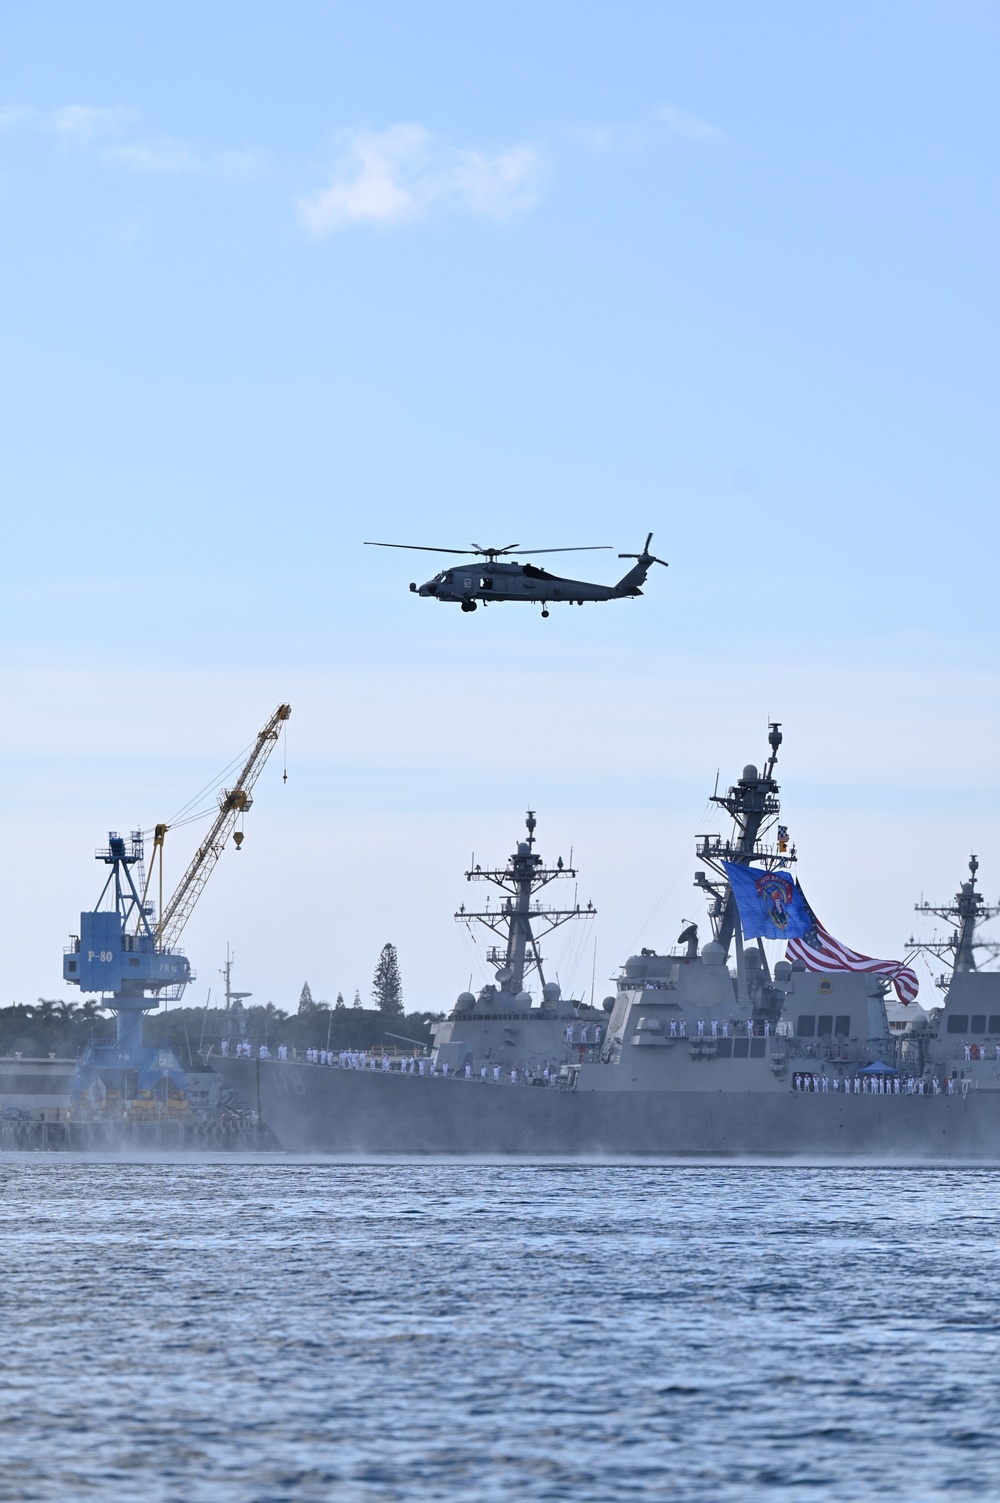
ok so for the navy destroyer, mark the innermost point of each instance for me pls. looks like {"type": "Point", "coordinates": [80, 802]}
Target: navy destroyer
{"type": "Point", "coordinates": [703, 1051]}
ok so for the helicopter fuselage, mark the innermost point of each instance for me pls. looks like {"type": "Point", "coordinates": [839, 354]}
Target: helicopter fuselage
{"type": "Point", "coordinates": [501, 580]}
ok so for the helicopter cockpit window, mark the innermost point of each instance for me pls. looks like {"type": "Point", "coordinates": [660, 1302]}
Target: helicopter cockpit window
{"type": "Point", "coordinates": [486, 583]}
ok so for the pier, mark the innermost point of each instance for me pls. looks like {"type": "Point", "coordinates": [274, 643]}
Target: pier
{"type": "Point", "coordinates": [236, 1132]}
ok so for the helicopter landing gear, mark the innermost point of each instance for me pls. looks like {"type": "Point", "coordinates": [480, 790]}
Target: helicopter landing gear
{"type": "Point", "coordinates": [544, 611]}
{"type": "Point", "coordinates": [468, 605]}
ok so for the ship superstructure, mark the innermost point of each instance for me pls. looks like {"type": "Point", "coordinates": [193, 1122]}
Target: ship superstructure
{"type": "Point", "coordinates": [966, 914]}
{"type": "Point", "coordinates": [960, 1036]}
{"type": "Point", "coordinates": [505, 1023]}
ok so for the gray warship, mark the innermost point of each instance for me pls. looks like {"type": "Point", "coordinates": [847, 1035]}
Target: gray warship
{"type": "Point", "coordinates": [705, 1051]}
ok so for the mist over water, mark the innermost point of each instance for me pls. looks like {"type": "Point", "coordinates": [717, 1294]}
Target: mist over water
{"type": "Point", "coordinates": [264, 1330]}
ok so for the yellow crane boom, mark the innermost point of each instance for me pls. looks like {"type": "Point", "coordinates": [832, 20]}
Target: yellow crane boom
{"type": "Point", "coordinates": [233, 802]}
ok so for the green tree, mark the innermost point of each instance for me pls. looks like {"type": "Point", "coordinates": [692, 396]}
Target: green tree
{"type": "Point", "coordinates": [357, 998]}
{"type": "Point", "coordinates": [387, 987]}
{"type": "Point", "coordinates": [340, 1005]}
{"type": "Point", "coordinates": [306, 1003]}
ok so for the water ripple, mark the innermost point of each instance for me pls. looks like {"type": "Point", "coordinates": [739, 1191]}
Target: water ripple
{"type": "Point", "coordinates": [271, 1330]}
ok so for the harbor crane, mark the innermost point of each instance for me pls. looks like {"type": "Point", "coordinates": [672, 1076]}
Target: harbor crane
{"type": "Point", "coordinates": [127, 949]}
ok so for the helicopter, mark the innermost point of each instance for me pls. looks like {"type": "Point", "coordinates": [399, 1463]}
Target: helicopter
{"type": "Point", "coordinates": [500, 577]}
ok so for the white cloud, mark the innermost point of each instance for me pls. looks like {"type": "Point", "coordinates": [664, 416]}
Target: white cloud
{"type": "Point", "coordinates": [614, 136]}
{"type": "Point", "coordinates": [164, 154]}
{"type": "Point", "coordinates": [400, 174]}
{"type": "Point", "coordinates": [16, 116]}
{"type": "Point", "coordinates": [81, 127]}
{"type": "Point", "coordinates": [109, 135]}
{"type": "Point", "coordinates": [641, 134]}
{"type": "Point", "coordinates": [683, 124]}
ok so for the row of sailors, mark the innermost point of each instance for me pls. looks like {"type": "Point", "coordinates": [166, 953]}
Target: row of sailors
{"type": "Point", "coordinates": [585, 1033]}
{"type": "Point", "coordinates": [877, 1085]}
{"type": "Point", "coordinates": [243, 1050]}
{"type": "Point", "coordinates": [978, 1051]}
{"type": "Point", "coordinates": [360, 1059]}
{"type": "Point", "coordinates": [716, 1030]}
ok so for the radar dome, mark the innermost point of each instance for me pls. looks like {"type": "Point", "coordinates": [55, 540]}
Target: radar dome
{"type": "Point", "coordinates": [608, 1004]}
{"type": "Point", "coordinates": [750, 773]}
{"type": "Point", "coordinates": [917, 1024]}
{"type": "Point", "coordinates": [523, 848]}
{"type": "Point", "coordinates": [464, 1001]}
{"type": "Point", "coordinates": [552, 991]}
{"type": "Point", "coordinates": [713, 954]}
{"type": "Point", "coordinates": [966, 887]}
{"type": "Point", "coordinates": [523, 999]}
{"type": "Point", "coordinates": [782, 971]}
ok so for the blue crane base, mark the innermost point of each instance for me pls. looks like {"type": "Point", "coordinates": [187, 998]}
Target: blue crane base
{"type": "Point", "coordinates": [128, 1068]}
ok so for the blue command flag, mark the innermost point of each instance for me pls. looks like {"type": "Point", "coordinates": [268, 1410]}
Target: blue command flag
{"type": "Point", "coordinates": [771, 905]}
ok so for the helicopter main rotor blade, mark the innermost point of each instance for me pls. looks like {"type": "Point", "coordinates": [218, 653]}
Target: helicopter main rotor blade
{"type": "Point", "coordinates": [419, 548]}
{"type": "Point", "coordinates": [494, 552]}
{"type": "Point", "coordinates": [590, 548]}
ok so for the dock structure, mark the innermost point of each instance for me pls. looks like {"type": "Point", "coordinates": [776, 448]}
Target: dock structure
{"type": "Point", "coordinates": [236, 1132]}
{"type": "Point", "coordinates": [40, 1110]}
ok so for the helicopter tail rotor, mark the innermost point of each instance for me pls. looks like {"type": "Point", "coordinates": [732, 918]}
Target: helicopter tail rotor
{"type": "Point", "coordinates": [645, 557]}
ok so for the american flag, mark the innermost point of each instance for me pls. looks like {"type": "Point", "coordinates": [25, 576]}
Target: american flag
{"type": "Point", "coordinates": [819, 951]}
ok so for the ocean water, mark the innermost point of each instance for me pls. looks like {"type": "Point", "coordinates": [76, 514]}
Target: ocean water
{"type": "Point", "coordinates": [263, 1330]}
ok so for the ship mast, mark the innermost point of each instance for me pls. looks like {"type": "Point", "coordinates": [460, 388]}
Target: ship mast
{"type": "Point", "coordinates": [966, 913]}
{"type": "Point", "coordinates": [519, 920]}
{"type": "Point", "coordinates": [752, 804]}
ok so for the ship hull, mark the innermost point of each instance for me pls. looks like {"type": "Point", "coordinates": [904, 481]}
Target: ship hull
{"type": "Point", "coordinates": [361, 1113]}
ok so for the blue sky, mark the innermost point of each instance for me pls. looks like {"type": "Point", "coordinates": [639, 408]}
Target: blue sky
{"type": "Point", "coordinates": [279, 279]}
